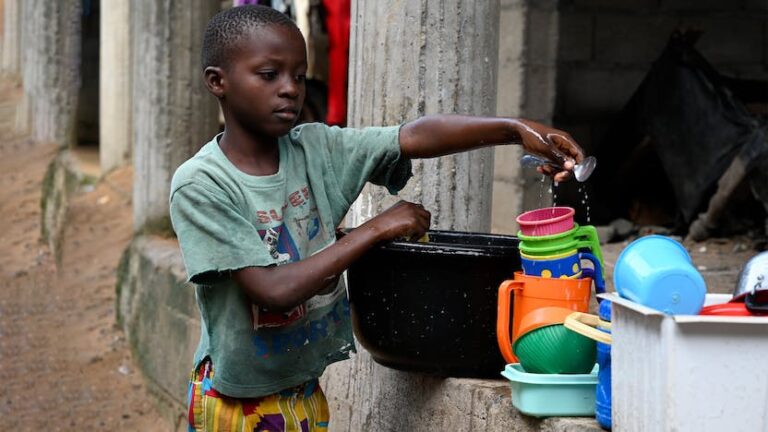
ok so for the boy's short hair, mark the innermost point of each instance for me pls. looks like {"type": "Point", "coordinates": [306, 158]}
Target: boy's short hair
{"type": "Point", "coordinates": [228, 27]}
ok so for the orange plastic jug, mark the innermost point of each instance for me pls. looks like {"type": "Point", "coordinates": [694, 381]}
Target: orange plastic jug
{"type": "Point", "coordinates": [531, 293]}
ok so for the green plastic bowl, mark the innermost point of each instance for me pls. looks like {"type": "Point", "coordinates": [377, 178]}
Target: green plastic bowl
{"type": "Point", "coordinates": [554, 349]}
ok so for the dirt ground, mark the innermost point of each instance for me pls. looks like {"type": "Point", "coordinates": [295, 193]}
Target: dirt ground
{"type": "Point", "coordinates": [66, 365]}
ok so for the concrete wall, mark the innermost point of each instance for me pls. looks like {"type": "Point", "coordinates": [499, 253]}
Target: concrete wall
{"type": "Point", "coordinates": [158, 312]}
{"type": "Point", "coordinates": [528, 37]}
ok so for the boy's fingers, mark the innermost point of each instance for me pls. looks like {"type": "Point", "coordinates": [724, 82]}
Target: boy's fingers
{"type": "Point", "coordinates": [547, 170]}
{"type": "Point", "coordinates": [562, 176]}
{"type": "Point", "coordinates": [568, 148]}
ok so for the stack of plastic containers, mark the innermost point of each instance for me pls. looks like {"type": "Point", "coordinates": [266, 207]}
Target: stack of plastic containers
{"type": "Point", "coordinates": [552, 369]}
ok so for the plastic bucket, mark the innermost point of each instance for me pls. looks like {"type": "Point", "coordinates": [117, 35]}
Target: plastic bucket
{"type": "Point", "coordinates": [657, 272]}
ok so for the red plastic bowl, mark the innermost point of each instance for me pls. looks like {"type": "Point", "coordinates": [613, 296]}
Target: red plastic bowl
{"type": "Point", "coordinates": [726, 309]}
{"type": "Point", "coordinates": [546, 221]}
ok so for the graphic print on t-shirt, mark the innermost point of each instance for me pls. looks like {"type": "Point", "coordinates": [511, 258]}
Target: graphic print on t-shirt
{"type": "Point", "coordinates": [280, 244]}
{"type": "Point", "coordinates": [282, 248]}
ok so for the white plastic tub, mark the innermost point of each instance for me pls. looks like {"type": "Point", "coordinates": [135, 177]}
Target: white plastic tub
{"type": "Point", "coordinates": [688, 372]}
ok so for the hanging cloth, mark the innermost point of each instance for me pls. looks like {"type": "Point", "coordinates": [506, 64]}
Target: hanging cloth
{"type": "Point", "coordinates": [337, 22]}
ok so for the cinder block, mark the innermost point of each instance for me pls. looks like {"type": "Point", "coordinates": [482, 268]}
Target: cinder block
{"type": "Point", "coordinates": [540, 88]}
{"type": "Point", "coordinates": [544, 5]}
{"type": "Point", "coordinates": [507, 204]}
{"type": "Point", "coordinates": [575, 38]}
{"type": "Point", "coordinates": [511, 4]}
{"type": "Point", "coordinates": [730, 39]}
{"type": "Point", "coordinates": [699, 5]}
{"type": "Point", "coordinates": [506, 163]}
{"type": "Point", "coordinates": [541, 34]}
{"type": "Point", "coordinates": [631, 5]}
{"type": "Point", "coordinates": [509, 96]}
{"type": "Point", "coordinates": [637, 39]}
{"type": "Point", "coordinates": [586, 92]}
{"type": "Point", "coordinates": [512, 41]}
{"type": "Point", "coordinates": [756, 5]}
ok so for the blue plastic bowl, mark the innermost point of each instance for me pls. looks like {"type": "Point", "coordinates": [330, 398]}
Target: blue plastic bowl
{"type": "Point", "coordinates": [657, 272]}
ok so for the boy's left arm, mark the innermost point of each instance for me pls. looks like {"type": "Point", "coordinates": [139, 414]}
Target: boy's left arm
{"type": "Point", "coordinates": [439, 135]}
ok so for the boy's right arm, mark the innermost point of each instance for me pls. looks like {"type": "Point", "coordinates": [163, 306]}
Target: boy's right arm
{"type": "Point", "coordinates": [281, 288]}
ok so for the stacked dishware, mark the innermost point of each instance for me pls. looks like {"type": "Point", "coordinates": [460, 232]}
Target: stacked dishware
{"type": "Point", "coordinates": [554, 283]}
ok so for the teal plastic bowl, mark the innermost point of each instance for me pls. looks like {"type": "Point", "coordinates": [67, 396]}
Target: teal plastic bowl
{"type": "Point", "coordinates": [551, 395]}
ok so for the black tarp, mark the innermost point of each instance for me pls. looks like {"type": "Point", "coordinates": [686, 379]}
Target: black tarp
{"type": "Point", "coordinates": [694, 124]}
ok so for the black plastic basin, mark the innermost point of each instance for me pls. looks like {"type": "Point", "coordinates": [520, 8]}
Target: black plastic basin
{"type": "Point", "coordinates": [431, 307]}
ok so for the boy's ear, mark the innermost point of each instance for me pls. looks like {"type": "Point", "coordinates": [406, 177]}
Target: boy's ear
{"type": "Point", "coordinates": [215, 81]}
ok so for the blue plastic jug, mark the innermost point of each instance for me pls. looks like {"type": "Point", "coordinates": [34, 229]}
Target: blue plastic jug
{"type": "Point", "coordinates": [603, 389]}
{"type": "Point", "coordinates": [598, 328]}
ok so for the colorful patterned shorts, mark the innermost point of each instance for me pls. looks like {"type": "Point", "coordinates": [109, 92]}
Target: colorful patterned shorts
{"type": "Point", "coordinates": [302, 408]}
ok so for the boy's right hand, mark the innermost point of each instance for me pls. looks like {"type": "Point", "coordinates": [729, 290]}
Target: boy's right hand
{"type": "Point", "coordinates": [402, 220]}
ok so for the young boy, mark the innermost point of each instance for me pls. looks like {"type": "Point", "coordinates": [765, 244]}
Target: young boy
{"type": "Point", "coordinates": [255, 211]}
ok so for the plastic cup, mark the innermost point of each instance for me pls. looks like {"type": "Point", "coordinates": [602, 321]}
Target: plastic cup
{"type": "Point", "coordinates": [578, 237]}
{"type": "Point", "coordinates": [567, 266]}
{"type": "Point", "coordinates": [546, 221]}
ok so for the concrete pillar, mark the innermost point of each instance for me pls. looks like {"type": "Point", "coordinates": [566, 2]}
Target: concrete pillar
{"type": "Point", "coordinates": [51, 67]}
{"type": "Point", "coordinates": [173, 114]}
{"type": "Point", "coordinates": [115, 85]}
{"type": "Point", "coordinates": [409, 59]}
{"type": "Point", "coordinates": [10, 63]}
{"type": "Point", "coordinates": [414, 58]}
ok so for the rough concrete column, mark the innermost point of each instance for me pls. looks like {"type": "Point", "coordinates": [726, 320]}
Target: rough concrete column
{"type": "Point", "coordinates": [173, 114]}
{"type": "Point", "coordinates": [11, 59]}
{"type": "Point", "coordinates": [414, 58]}
{"type": "Point", "coordinates": [51, 67]}
{"type": "Point", "coordinates": [115, 84]}
{"type": "Point", "coordinates": [408, 59]}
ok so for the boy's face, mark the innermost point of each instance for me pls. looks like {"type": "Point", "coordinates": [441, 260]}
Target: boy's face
{"type": "Point", "coordinates": [265, 88]}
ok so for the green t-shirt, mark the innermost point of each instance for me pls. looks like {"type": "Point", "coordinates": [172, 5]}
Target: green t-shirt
{"type": "Point", "coordinates": [227, 220]}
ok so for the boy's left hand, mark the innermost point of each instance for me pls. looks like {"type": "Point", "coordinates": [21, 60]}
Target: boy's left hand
{"type": "Point", "coordinates": [553, 144]}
